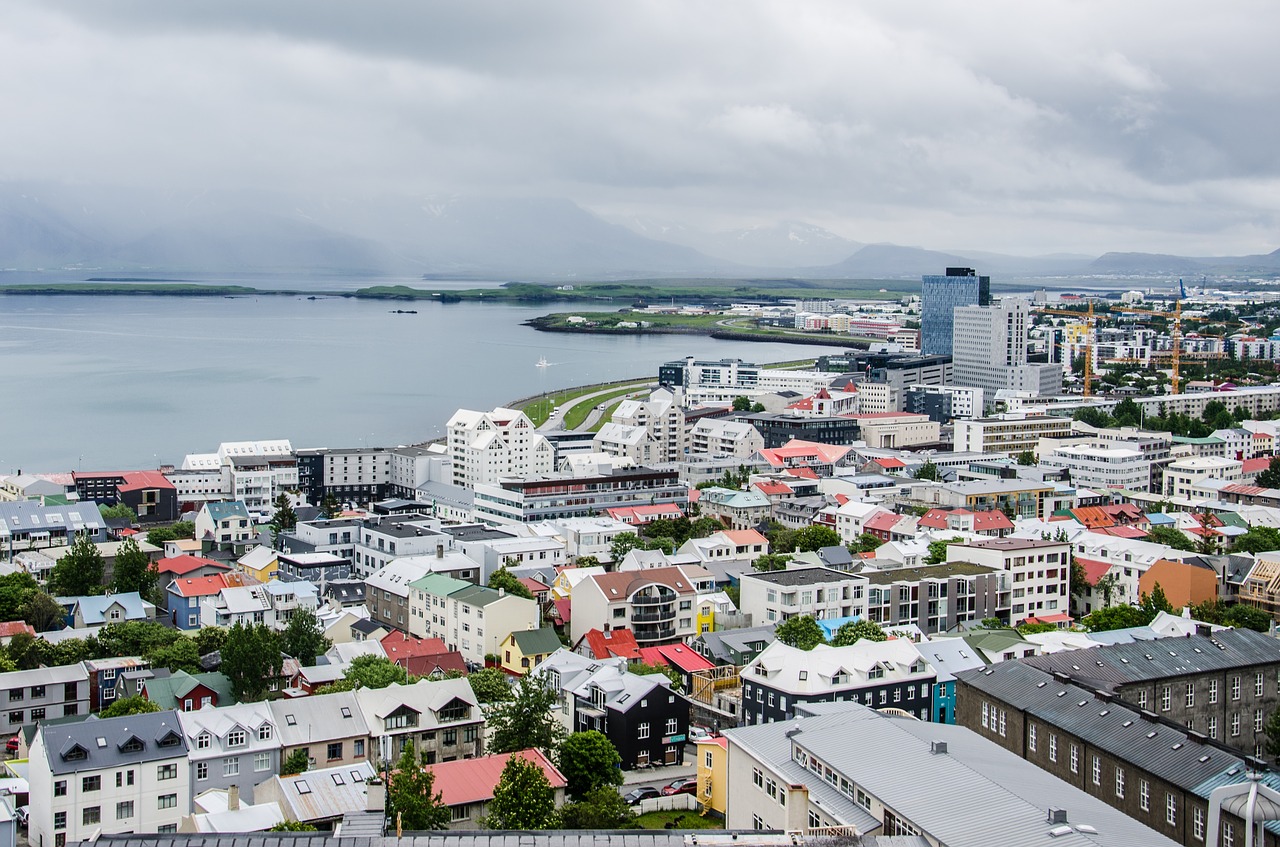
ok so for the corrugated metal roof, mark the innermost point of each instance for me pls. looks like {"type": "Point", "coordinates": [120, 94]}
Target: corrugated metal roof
{"type": "Point", "coordinates": [1168, 752]}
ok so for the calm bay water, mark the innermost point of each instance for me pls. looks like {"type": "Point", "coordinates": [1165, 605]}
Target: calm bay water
{"type": "Point", "coordinates": [99, 383]}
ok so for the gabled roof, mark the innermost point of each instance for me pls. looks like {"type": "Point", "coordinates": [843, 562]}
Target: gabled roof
{"type": "Point", "coordinates": [226, 509]}
{"type": "Point", "coordinates": [307, 720]}
{"type": "Point", "coordinates": [465, 781]}
{"type": "Point", "coordinates": [400, 647]}
{"type": "Point", "coordinates": [179, 565]}
{"type": "Point", "coordinates": [679, 656]}
{"type": "Point", "coordinates": [94, 608]}
{"type": "Point", "coordinates": [882, 521]}
{"type": "Point", "coordinates": [771, 488]}
{"type": "Point", "coordinates": [8, 629]}
{"type": "Point", "coordinates": [1094, 570]}
{"type": "Point", "coordinates": [620, 643]}
{"type": "Point", "coordinates": [101, 740]}
{"type": "Point", "coordinates": [200, 586]}
{"type": "Point", "coordinates": [534, 641]}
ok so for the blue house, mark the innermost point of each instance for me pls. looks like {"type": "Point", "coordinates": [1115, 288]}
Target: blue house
{"type": "Point", "coordinates": [97, 611]}
{"type": "Point", "coordinates": [948, 657]}
{"type": "Point", "coordinates": [185, 594]}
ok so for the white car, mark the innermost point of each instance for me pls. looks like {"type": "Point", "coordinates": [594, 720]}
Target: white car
{"type": "Point", "coordinates": [697, 733]}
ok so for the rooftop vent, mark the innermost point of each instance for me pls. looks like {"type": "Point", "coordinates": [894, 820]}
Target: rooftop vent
{"type": "Point", "coordinates": [1058, 816]}
{"type": "Point", "coordinates": [938, 748]}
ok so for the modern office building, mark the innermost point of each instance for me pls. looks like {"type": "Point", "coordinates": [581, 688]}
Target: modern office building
{"type": "Point", "coordinates": [939, 297]}
{"type": "Point", "coordinates": [989, 350]}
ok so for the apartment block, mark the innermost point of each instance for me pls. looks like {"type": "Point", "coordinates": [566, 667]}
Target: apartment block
{"type": "Point", "coordinates": [486, 446]}
{"type": "Point", "coordinates": [822, 593]}
{"type": "Point", "coordinates": [1039, 572]}
{"type": "Point", "coordinates": [657, 604]}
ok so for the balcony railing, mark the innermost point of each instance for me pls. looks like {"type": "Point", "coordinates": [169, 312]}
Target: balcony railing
{"type": "Point", "coordinates": [652, 599]}
{"type": "Point", "coordinates": [654, 615]}
{"type": "Point", "coordinates": [655, 633]}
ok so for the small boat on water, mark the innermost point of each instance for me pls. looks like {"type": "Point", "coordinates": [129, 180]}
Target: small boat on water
{"type": "Point", "coordinates": [543, 363]}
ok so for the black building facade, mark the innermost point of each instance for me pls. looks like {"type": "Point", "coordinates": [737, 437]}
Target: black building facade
{"type": "Point", "coordinates": [648, 729]}
{"type": "Point", "coordinates": [778, 429]}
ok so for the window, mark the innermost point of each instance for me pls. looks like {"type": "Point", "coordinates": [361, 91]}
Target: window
{"type": "Point", "coordinates": [202, 770]}
{"type": "Point", "coordinates": [986, 715]}
{"type": "Point", "coordinates": [167, 772]}
{"type": "Point", "coordinates": [262, 761]}
{"type": "Point", "coordinates": [60, 820]}
{"type": "Point", "coordinates": [124, 810]}
{"type": "Point", "coordinates": [672, 726]}
{"type": "Point", "coordinates": [1075, 759]}
{"type": "Point", "coordinates": [91, 815]}
{"type": "Point", "coordinates": [1213, 691]}
{"type": "Point", "coordinates": [1170, 810]}
{"type": "Point", "coordinates": [1002, 717]}
{"type": "Point", "coordinates": [1031, 737]}
{"type": "Point", "coordinates": [1235, 725]}
{"type": "Point", "coordinates": [91, 783]}
{"type": "Point", "coordinates": [1235, 687]}
{"type": "Point", "coordinates": [1097, 771]}
{"type": "Point", "coordinates": [334, 751]}
{"type": "Point", "coordinates": [16, 694]}
{"type": "Point", "coordinates": [450, 737]}
{"type": "Point", "coordinates": [706, 759]}
{"type": "Point", "coordinates": [1191, 695]}
{"type": "Point", "coordinates": [15, 717]}
{"type": "Point", "coordinates": [1197, 823]}
{"type": "Point", "coordinates": [1257, 721]}
{"type": "Point", "coordinates": [643, 730]}
{"type": "Point", "coordinates": [38, 714]}
{"type": "Point", "coordinates": [231, 766]}
{"type": "Point", "coordinates": [1142, 699]}
{"type": "Point", "coordinates": [60, 788]}
{"type": "Point", "coordinates": [264, 732]}
{"type": "Point", "coordinates": [1213, 727]}
{"type": "Point", "coordinates": [1228, 835]}
{"type": "Point", "coordinates": [167, 801]}
{"type": "Point", "coordinates": [203, 740]}
{"type": "Point", "coordinates": [1166, 697]}
{"type": "Point", "coordinates": [1144, 795]}
{"type": "Point", "coordinates": [236, 738]}
{"type": "Point", "coordinates": [1257, 685]}
{"type": "Point", "coordinates": [358, 746]}
{"type": "Point", "coordinates": [757, 777]}
{"type": "Point", "coordinates": [1053, 747]}
{"type": "Point", "coordinates": [1120, 783]}
{"type": "Point", "coordinates": [460, 813]}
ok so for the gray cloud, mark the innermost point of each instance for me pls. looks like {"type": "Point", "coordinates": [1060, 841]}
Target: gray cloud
{"type": "Point", "coordinates": [1005, 126]}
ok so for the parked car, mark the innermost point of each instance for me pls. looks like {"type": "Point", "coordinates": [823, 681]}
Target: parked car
{"type": "Point", "coordinates": [697, 733]}
{"type": "Point", "coordinates": [11, 746]}
{"type": "Point", "coordinates": [680, 786]}
{"type": "Point", "coordinates": [24, 816]}
{"type": "Point", "coordinates": [644, 792]}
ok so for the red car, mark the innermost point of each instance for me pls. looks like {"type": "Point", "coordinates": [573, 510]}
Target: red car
{"type": "Point", "coordinates": [11, 746]}
{"type": "Point", "coordinates": [681, 786]}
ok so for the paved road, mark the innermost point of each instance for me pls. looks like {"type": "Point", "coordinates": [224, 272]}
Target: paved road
{"type": "Point", "coordinates": [556, 421]}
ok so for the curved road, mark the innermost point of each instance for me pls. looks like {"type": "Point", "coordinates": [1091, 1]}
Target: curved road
{"type": "Point", "coordinates": [555, 423]}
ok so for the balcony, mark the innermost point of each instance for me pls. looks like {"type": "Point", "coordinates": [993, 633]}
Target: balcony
{"type": "Point", "coordinates": [655, 633]}
{"type": "Point", "coordinates": [653, 599]}
{"type": "Point", "coordinates": [653, 614]}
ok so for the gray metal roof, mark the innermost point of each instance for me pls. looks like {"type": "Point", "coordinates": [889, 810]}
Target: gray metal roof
{"type": "Point", "coordinates": [976, 794]}
{"type": "Point", "coordinates": [463, 838]}
{"type": "Point", "coordinates": [1114, 665]}
{"type": "Point", "coordinates": [101, 739]}
{"type": "Point", "coordinates": [1173, 754]}
{"type": "Point", "coordinates": [802, 576]}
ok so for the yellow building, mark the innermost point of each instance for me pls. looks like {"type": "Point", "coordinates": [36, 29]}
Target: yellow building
{"type": "Point", "coordinates": [260, 563]}
{"type": "Point", "coordinates": [525, 649]}
{"type": "Point", "coordinates": [706, 616]}
{"type": "Point", "coordinates": [562, 588]}
{"type": "Point", "coordinates": [713, 774]}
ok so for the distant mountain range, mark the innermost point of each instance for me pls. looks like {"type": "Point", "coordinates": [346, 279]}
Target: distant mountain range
{"type": "Point", "coordinates": [99, 230]}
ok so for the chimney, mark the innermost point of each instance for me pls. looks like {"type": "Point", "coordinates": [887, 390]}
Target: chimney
{"type": "Point", "coordinates": [233, 798]}
{"type": "Point", "coordinates": [440, 551]}
{"type": "Point", "coordinates": [376, 796]}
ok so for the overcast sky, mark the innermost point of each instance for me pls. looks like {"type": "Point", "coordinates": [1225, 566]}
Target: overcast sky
{"type": "Point", "coordinates": [1019, 127]}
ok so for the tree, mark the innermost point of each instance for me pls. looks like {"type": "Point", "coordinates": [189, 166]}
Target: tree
{"type": "Point", "coordinates": [623, 543]}
{"type": "Point", "coordinates": [927, 471]}
{"type": "Point", "coordinates": [1093, 416]}
{"type": "Point", "coordinates": [854, 631]}
{"type": "Point", "coordinates": [15, 588]}
{"type": "Point", "coordinates": [1270, 478]}
{"type": "Point", "coordinates": [1026, 458]}
{"type": "Point", "coordinates": [368, 672]}
{"type": "Point", "coordinates": [1259, 539]}
{"type": "Point", "coordinates": [490, 685]}
{"type": "Point", "coordinates": [771, 562]}
{"type": "Point", "coordinates": [210, 639]}
{"type": "Point", "coordinates": [181, 655]}
{"type": "Point", "coordinates": [42, 612]}
{"type": "Point", "coordinates": [865, 543]}
{"type": "Point", "coordinates": [1241, 616]}
{"type": "Point", "coordinates": [1127, 413]}
{"type": "Point", "coordinates": [640, 668]}
{"type": "Point", "coordinates": [600, 809]}
{"type": "Point", "coordinates": [251, 659]}
{"type": "Point", "coordinates": [705, 526]}
{"type": "Point", "coordinates": [992, 623]}
{"type": "Point", "coordinates": [802, 632]}
{"type": "Point", "coordinates": [410, 800]}
{"type": "Point", "coordinates": [525, 720]}
{"type": "Point", "coordinates": [133, 571]}
{"type": "Point", "coordinates": [815, 537]}
{"type": "Point", "coordinates": [158, 536]}
{"type": "Point", "coordinates": [1154, 603]}
{"type": "Point", "coordinates": [1106, 586]}
{"type": "Point", "coordinates": [292, 826]}
{"type": "Point", "coordinates": [303, 639]}
{"type": "Point", "coordinates": [1170, 537]}
{"type": "Point", "coordinates": [757, 408]}
{"type": "Point", "coordinates": [1272, 729]}
{"type": "Point", "coordinates": [184, 529]}
{"type": "Point", "coordinates": [79, 572]}
{"type": "Point", "coordinates": [330, 508]}
{"type": "Point", "coordinates": [938, 550]}
{"type": "Point", "coordinates": [1114, 617]}
{"type": "Point", "coordinates": [285, 517]}
{"type": "Point", "coordinates": [295, 763]}
{"type": "Point", "coordinates": [135, 638]}
{"type": "Point", "coordinates": [507, 581]}
{"type": "Point", "coordinates": [118, 511]}
{"type": "Point", "coordinates": [741, 404]}
{"type": "Point", "coordinates": [586, 562]}
{"type": "Point", "coordinates": [589, 761]}
{"type": "Point", "coordinates": [523, 798]}
{"type": "Point", "coordinates": [135, 705]}
{"type": "Point", "coordinates": [1079, 579]}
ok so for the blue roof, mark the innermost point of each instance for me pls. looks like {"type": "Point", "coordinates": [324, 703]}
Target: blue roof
{"type": "Point", "coordinates": [94, 609]}
{"type": "Point", "coordinates": [227, 509]}
{"type": "Point", "coordinates": [830, 625]}
{"type": "Point", "coordinates": [1161, 519]}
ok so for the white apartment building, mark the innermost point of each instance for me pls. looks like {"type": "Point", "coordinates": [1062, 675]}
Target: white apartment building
{"type": "Point", "coordinates": [231, 746]}
{"type": "Point", "coordinates": [878, 398]}
{"type": "Point", "coordinates": [1010, 433]}
{"type": "Point", "coordinates": [116, 775]}
{"type": "Point", "coordinates": [471, 619]}
{"type": "Point", "coordinates": [380, 541]}
{"type": "Point", "coordinates": [413, 467]}
{"type": "Point", "coordinates": [245, 605]}
{"type": "Point", "coordinates": [656, 604]}
{"type": "Point", "coordinates": [1040, 572]}
{"type": "Point", "coordinates": [719, 437]}
{"type": "Point", "coordinates": [821, 593]}
{"type": "Point", "coordinates": [966, 400]}
{"type": "Point", "coordinates": [584, 536]}
{"type": "Point", "coordinates": [1181, 477]}
{"type": "Point", "coordinates": [662, 420]}
{"type": "Point", "coordinates": [989, 350]}
{"type": "Point", "coordinates": [1102, 467]}
{"type": "Point", "coordinates": [486, 446]}
{"type": "Point", "coordinates": [253, 472]}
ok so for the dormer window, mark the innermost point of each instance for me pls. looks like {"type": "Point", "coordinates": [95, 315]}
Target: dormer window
{"type": "Point", "coordinates": [236, 738]}
{"type": "Point", "coordinates": [170, 739]}
{"type": "Point", "coordinates": [75, 754]}
{"type": "Point", "coordinates": [264, 732]}
{"type": "Point", "coordinates": [203, 740]}
{"type": "Point", "coordinates": [597, 696]}
{"type": "Point", "coordinates": [133, 745]}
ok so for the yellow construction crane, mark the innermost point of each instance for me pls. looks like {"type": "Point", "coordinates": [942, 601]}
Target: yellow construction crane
{"type": "Point", "coordinates": [1088, 342]}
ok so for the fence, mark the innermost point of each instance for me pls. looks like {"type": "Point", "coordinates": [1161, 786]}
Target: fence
{"type": "Point", "coordinates": [673, 803]}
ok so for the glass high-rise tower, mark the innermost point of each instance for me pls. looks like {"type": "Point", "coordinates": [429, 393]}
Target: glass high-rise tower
{"type": "Point", "coordinates": [939, 296]}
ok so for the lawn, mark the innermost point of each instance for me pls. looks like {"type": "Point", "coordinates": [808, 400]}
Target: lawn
{"type": "Point", "coordinates": [606, 415]}
{"type": "Point", "coordinates": [687, 820]}
{"type": "Point", "coordinates": [579, 412]}
{"type": "Point", "coordinates": [539, 409]}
